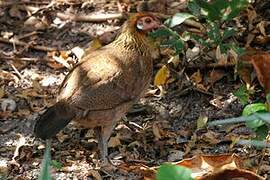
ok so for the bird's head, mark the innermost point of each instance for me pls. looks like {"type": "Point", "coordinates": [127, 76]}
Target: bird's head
{"type": "Point", "coordinates": [148, 23]}
{"type": "Point", "coordinates": [135, 30]}
{"type": "Point", "coordinates": [143, 23]}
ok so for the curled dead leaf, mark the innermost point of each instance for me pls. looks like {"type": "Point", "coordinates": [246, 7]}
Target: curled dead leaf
{"type": "Point", "coordinates": [222, 58]}
{"type": "Point", "coordinates": [162, 76]}
{"type": "Point", "coordinates": [35, 23]}
{"type": "Point", "coordinates": [114, 142]}
{"type": "Point", "coordinates": [156, 131]}
{"type": "Point", "coordinates": [216, 75]}
{"type": "Point", "coordinates": [261, 64]}
{"type": "Point", "coordinates": [196, 77]}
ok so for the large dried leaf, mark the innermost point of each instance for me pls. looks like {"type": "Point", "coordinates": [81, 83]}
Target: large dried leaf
{"type": "Point", "coordinates": [224, 166]}
{"type": "Point", "coordinates": [216, 75]}
{"type": "Point", "coordinates": [237, 174]}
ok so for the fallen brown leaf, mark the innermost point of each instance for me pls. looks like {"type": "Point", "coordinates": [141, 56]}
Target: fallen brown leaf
{"type": "Point", "coordinates": [261, 64]}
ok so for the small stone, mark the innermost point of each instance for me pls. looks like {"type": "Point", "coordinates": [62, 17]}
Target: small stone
{"type": "Point", "coordinates": [175, 155]}
{"type": "Point", "coordinates": [8, 105]}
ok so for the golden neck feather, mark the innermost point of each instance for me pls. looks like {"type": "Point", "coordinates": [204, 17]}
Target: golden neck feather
{"type": "Point", "coordinates": [131, 39]}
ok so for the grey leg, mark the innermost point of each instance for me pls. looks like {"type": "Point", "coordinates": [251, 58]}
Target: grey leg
{"type": "Point", "coordinates": [103, 134]}
{"type": "Point", "coordinates": [102, 144]}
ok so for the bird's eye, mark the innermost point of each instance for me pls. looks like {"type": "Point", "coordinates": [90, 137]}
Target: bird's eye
{"type": "Point", "coordinates": [148, 20]}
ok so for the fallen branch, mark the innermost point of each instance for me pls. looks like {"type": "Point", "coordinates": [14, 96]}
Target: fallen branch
{"type": "Point", "coordinates": [212, 65]}
{"type": "Point", "coordinates": [23, 58]}
{"type": "Point", "coordinates": [255, 143]}
{"type": "Point", "coordinates": [90, 18]}
{"type": "Point", "coordinates": [11, 3]}
{"type": "Point", "coordinates": [262, 116]}
{"type": "Point", "coordinates": [21, 43]}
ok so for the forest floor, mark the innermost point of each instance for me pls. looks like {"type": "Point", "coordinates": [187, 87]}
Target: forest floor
{"type": "Point", "coordinates": [157, 129]}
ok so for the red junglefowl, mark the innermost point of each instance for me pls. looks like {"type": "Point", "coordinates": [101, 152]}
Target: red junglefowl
{"type": "Point", "coordinates": [102, 87]}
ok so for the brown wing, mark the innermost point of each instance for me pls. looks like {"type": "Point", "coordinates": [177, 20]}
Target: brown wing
{"type": "Point", "coordinates": [98, 83]}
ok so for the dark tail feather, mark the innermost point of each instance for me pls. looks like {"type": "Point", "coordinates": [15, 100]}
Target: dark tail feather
{"type": "Point", "coordinates": [53, 120]}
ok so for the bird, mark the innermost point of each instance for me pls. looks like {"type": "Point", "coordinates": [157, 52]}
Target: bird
{"type": "Point", "coordinates": [104, 85]}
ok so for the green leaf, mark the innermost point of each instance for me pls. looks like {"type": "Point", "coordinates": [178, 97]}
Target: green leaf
{"type": "Point", "coordinates": [214, 33]}
{"type": "Point", "coordinates": [209, 10]}
{"type": "Point", "coordinates": [262, 132]}
{"type": "Point", "coordinates": [200, 40]}
{"type": "Point", "coordinates": [217, 10]}
{"type": "Point", "coordinates": [179, 46]}
{"type": "Point", "coordinates": [213, 10]}
{"type": "Point", "coordinates": [268, 98]}
{"type": "Point", "coordinates": [162, 32]}
{"type": "Point", "coordinates": [45, 168]}
{"type": "Point", "coordinates": [178, 18]}
{"type": "Point", "coordinates": [228, 33]}
{"type": "Point", "coordinates": [240, 51]}
{"type": "Point", "coordinates": [234, 8]}
{"type": "Point", "coordinates": [168, 42]}
{"type": "Point", "coordinates": [255, 124]}
{"type": "Point", "coordinates": [173, 172]}
{"type": "Point", "coordinates": [220, 5]}
{"type": "Point", "coordinates": [252, 108]}
{"type": "Point", "coordinates": [224, 48]}
{"type": "Point", "coordinates": [57, 165]}
{"type": "Point", "coordinates": [242, 94]}
{"type": "Point", "coordinates": [194, 8]}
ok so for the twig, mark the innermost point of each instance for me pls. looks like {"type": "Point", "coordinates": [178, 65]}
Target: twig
{"type": "Point", "coordinates": [37, 10]}
{"type": "Point", "coordinates": [27, 35]}
{"type": "Point", "coordinates": [23, 58]}
{"type": "Point", "coordinates": [255, 143]}
{"type": "Point", "coordinates": [90, 18]}
{"type": "Point", "coordinates": [16, 71]}
{"type": "Point", "coordinates": [63, 62]}
{"type": "Point", "coordinates": [202, 91]}
{"type": "Point", "coordinates": [138, 161]}
{"type": "Point", "coordinates": [262, 116]}
{"type": "Point", "coordinates": [3, 4]}
{"type": "Point", "coordinates": [212, 65]}
{"type": "Point", "coordinates": [21, 43]}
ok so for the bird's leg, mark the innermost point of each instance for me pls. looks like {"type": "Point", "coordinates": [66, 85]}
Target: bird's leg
{"type": "Point", "coordinates": [102, 144]}
{"type": "Point", "coordinates": [103, 134]}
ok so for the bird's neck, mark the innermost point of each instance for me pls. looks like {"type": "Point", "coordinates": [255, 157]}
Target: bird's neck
{"type": "Point", "coordinates": [131, 39]}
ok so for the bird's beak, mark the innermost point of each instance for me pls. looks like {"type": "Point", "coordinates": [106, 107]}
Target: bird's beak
{"type": "Point", "coordinates": [157, 26]}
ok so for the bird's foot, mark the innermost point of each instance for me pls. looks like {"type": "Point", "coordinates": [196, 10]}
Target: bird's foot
{"type": "Point", "coordinates": [106, 164]}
